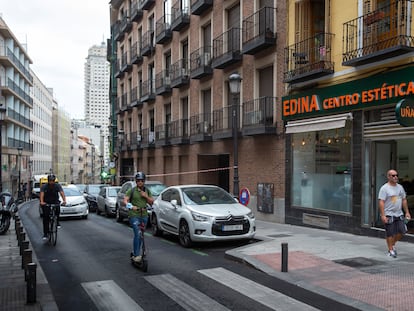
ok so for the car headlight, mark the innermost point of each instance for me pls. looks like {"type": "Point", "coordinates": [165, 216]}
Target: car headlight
{"type": "Point", "coordinates": [200, 217]}
{"type": "Point", "coordinates": [250, 215]}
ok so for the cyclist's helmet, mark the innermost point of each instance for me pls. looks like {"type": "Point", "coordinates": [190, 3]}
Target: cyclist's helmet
{"type": "Point", "coordinates": [51, 177]}
{"type": "Point", "coordinates": [140, 176]}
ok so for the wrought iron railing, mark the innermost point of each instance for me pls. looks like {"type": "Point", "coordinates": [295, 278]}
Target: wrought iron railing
{"type": "Point", "coordinates": [261, 23]}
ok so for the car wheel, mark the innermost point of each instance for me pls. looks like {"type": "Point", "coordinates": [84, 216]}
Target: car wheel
{"type": "Point", "coordinates": [184, 234]}
{"type": "Point", "coordinates": [156, 231]}
{"type": "Point", "coordinates": [118, 216]}
{"type": "Point", "coordinates": [107, 213]}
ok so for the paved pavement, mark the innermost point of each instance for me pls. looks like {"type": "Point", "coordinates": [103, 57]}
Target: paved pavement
{"type": "Point", "coordinates": [348, 268]}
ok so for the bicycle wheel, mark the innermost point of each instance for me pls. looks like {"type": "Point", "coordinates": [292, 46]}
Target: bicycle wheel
{"type": "Point", "coordinates": [53, 231]}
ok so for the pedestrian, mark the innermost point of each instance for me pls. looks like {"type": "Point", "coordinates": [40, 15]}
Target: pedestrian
{"type": "Point", "coordinates": [392, 201]}
{"type": "Point", "coordinates": [138, 197]}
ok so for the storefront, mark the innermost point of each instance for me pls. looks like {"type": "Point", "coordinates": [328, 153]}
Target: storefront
{"type": "Point", "coordinates": [340, 142]}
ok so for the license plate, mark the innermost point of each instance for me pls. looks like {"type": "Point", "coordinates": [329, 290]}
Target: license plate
{"type": "Point", "coordinates": [232, 227]}
{"type": "Point", "coordinates": [68, 210]}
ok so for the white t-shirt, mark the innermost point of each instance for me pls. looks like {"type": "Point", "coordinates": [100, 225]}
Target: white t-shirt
{"type": "Point", "coordinates": [392, 197]}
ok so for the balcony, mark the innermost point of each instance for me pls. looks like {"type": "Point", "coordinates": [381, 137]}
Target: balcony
{"type": "Point", "coordinates": [122, 102]}
{"type": "Point", "coordinates": [12, 88]}
{"type": "Point", "coordinates": [259, 31]}
{"type": "Point", "coordinates": [378, 35]}
{"type": "Point", "coordinates": [179, 132]}
{"type": "Point", "coordinates": [308, 59]}
{"type": "Point", "coordinates": [125, 65]}
{"type": "Point", "coordinates": [199, 7]}
{"type": "Point", "coordinates": [136, 57]}
{"type": "Point", "coordinates": [145, 4]}
{"type": "Point", "coordinates": [136, 12]}
{"type": "Point", "coordinates": [134, 97]}
{"type": "Point", "coordinates": [7, 58]}
{"type": "Point", "coordinates": [226, 49]}
{"type": "Point", "coordinates": [223, 123]}
{"type": "Point", "coordinates": [162, 83]}
{"type": "Point", "coordinates": [180, 17]}
{"type": "Point", "coordinates": [147, 138]}
{"type": "Point", "coordinates": [135, 140]}
{"type": "Point", "coordinates": [258, 116]}
{"type": "Point", "coordinates": [162, 135]}
{"type": "Point", "coordinates": [163, 32]}
{"type": "Point", "coordinates": [117, 69]}
{"type": "Point", "coordinates": [126, 24]}
{"type": "Point", "coordinates": [117, 33]}
{"type": "Point", "coordinates": [179, 74]}
{"type": "Point", "coordinates": [200, 63]}
{"type": "Point", "coordinates": [201, 128]}
{"type": "Point", "coordinates": [147, 43]}
{"type": "Point", "coordinates": [148, 91]}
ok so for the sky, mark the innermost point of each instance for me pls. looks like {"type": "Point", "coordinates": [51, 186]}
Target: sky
{"type": "Point", "coordinates": [58, 34]}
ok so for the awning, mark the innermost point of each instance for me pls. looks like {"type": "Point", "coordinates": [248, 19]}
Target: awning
{"type": "Point", "coordinates": [318, 124]}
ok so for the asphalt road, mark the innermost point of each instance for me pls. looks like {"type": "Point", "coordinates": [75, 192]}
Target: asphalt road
{"type": "Point", "coordinates": [90, 269]}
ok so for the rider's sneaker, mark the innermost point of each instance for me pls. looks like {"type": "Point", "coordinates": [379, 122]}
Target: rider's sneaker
{"type": "Point", "coordinates": [137, 258]}
{"type": "Point", "coordinates": [44, 238]}
{"type": "Point", "coordinates": [59, 226]}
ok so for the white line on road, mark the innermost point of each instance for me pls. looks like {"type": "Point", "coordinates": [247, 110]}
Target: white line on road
{"type": "Point", "coordinates": [108, 296]}
{"type": "Point", "coordinates": [255, 291]}
{"type": "Point", "coordinates": [187, 297]}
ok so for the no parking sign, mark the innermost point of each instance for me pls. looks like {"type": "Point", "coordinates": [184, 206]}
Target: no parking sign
{"type": "Point", "coordinates": [244, 196]}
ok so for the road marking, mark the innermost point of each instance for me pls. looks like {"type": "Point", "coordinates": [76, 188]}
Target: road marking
{"type": "Point", "coordinates": [198, 252]}
{"type": "Point", "coordinates": [186, 296]}
{"type": "Point", "coordinates": [262, 294]}
{"type": "Point", "coordinates": [108, 296]}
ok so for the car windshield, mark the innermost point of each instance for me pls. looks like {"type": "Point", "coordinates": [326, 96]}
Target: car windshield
{"type": "Point", "coordinates": [112, 192]}
{"type": "Point", "coordinates": [156, 189]}
{"type": "Point", "coordinates": [94, 189]}
{"type": "Point", "coordinates": [71, 192]}
{"type": "Point", "coordinates": [206, 195]}
{"type": "Point", "coordinates": [81, 187]}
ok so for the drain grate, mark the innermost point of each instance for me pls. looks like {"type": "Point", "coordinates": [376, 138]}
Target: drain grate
{"type": "Point", "coordinates": [358, 262]}
{"type": "Point", "coordinates": [279, 235]}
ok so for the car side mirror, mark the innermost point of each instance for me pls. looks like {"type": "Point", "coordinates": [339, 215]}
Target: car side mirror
{"type": "Point", "coordinates": [174, 203]}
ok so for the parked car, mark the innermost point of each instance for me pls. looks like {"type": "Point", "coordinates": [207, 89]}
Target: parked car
{"type": "Point", "coordinates": [76, 205]}
{"type": "Point", "coordinates": [91, 192]}
{"type": "Point", "coordinates": [106, 200]}
{"type": "Point", "coordinates": [201, 213]}
{"type": "Point", "coordinates": [81, 187]}
{"type": "Point", "coordinates": [121, 211]}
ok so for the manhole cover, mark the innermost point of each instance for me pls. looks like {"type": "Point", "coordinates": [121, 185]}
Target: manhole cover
{"type": "Point", "coordinates": [358, 262]}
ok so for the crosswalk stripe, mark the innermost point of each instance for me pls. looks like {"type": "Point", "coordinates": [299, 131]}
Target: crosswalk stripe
{"type": "Point", "coordinates": [187, 297]}
{"type": "Point", "coordinates": [108, 296]}
{"type": "Point", "coordinates": [255, 291]}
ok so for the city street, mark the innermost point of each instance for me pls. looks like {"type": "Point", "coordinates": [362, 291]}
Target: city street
{"type": "Point", "coordinates": [89, 269]}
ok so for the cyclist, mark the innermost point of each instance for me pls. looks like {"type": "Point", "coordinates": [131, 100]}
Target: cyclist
{"type": "Point", "coordinates": [49, 194]}
{"type": "Point", "coordinates": [139, 197]}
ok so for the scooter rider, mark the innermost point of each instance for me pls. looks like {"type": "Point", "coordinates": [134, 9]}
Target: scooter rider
{"type": "Point", "coordinates": [139, 197]}
{"type": "Point", "coordinates": [49, 194]}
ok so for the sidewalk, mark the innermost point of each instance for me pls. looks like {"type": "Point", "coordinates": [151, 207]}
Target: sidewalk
{"type": "Point", "coordinates": [13, 288]}
{"type": "Point", "coordinates": [351, 269]}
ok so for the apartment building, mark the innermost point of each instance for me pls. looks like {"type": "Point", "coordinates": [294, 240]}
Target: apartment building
{"type": "Point", "coordinates": [174, 116]}
{"type": "Point", "coordinates": [15, 106]}
{"type": "Point", "coordinates": [97, 109]}
{"type": "Point", "coordinates": [349, 112]}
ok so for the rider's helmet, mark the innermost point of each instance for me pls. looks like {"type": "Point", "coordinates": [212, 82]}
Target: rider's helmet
{"type": "Point", "coordinates": [140, 176]}
{"type": "Point", "coordinates": [51, 177]}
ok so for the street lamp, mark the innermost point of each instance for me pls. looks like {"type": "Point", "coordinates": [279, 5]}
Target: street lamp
{"type": "Point", "coordinates": [234, 85]}
{"type": "Point", "coordinates": [20, 151]}
{"type": "Point", "coordinates": [100, 174]}
{"type": "Point", "coordinates": [121, 135]}
{"type": "Point", "coordinates": [2, 115]}
{"type": "Point", "coordinates": [30, 180]}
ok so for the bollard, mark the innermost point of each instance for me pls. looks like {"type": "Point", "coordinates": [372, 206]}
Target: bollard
{"type": "Point", "coordinates": [22, 238]}
{"type": "Point", "coordinates": [17, 227]}
{"type": "Point", "coordinates": [19, 235]}
{"type": "Point", "coordinates": [16, 218]}
{"type": "Point", "coordinates": [26, 259]}
{"type": "Point", "coordinates": [284, 257]}
{"type": "Point", "coordinates": [31, 283]}
{"type": "Point", "coordinates": [23, 245]}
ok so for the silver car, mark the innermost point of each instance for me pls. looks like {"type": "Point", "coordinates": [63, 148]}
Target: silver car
{"type": "Point", "coordinates": [201, 213]}
{"type": "Point", "coordinates": [106, 200]}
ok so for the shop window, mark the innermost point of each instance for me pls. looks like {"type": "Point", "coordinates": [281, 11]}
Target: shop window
{"type": "Point", "coordinates": [321, 175]}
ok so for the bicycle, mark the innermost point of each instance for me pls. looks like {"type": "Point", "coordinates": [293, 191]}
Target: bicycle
{"type": "Point", "coordinates": [143, 264]}
{"type": "Point", "coordinates": [53, 224]}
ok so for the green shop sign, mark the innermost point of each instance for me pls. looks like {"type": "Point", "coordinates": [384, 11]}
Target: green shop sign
{"type": "Point", "coordinates": [404, 111]}
{"type": "Point", "coordinates": [377, 90]}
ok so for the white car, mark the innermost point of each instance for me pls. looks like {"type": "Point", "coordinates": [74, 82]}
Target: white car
{"type": "Point", "coordinates": [201, 213]}
{"type": "Point", "coordinates": [76, 205]}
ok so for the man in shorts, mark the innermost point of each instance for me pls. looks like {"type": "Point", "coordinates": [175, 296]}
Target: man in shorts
{"type": "Point", "coordinates": [392, 201]}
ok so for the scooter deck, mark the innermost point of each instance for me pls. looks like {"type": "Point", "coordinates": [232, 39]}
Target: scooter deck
{"type": "Point", "coordinates": [143, 264]}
